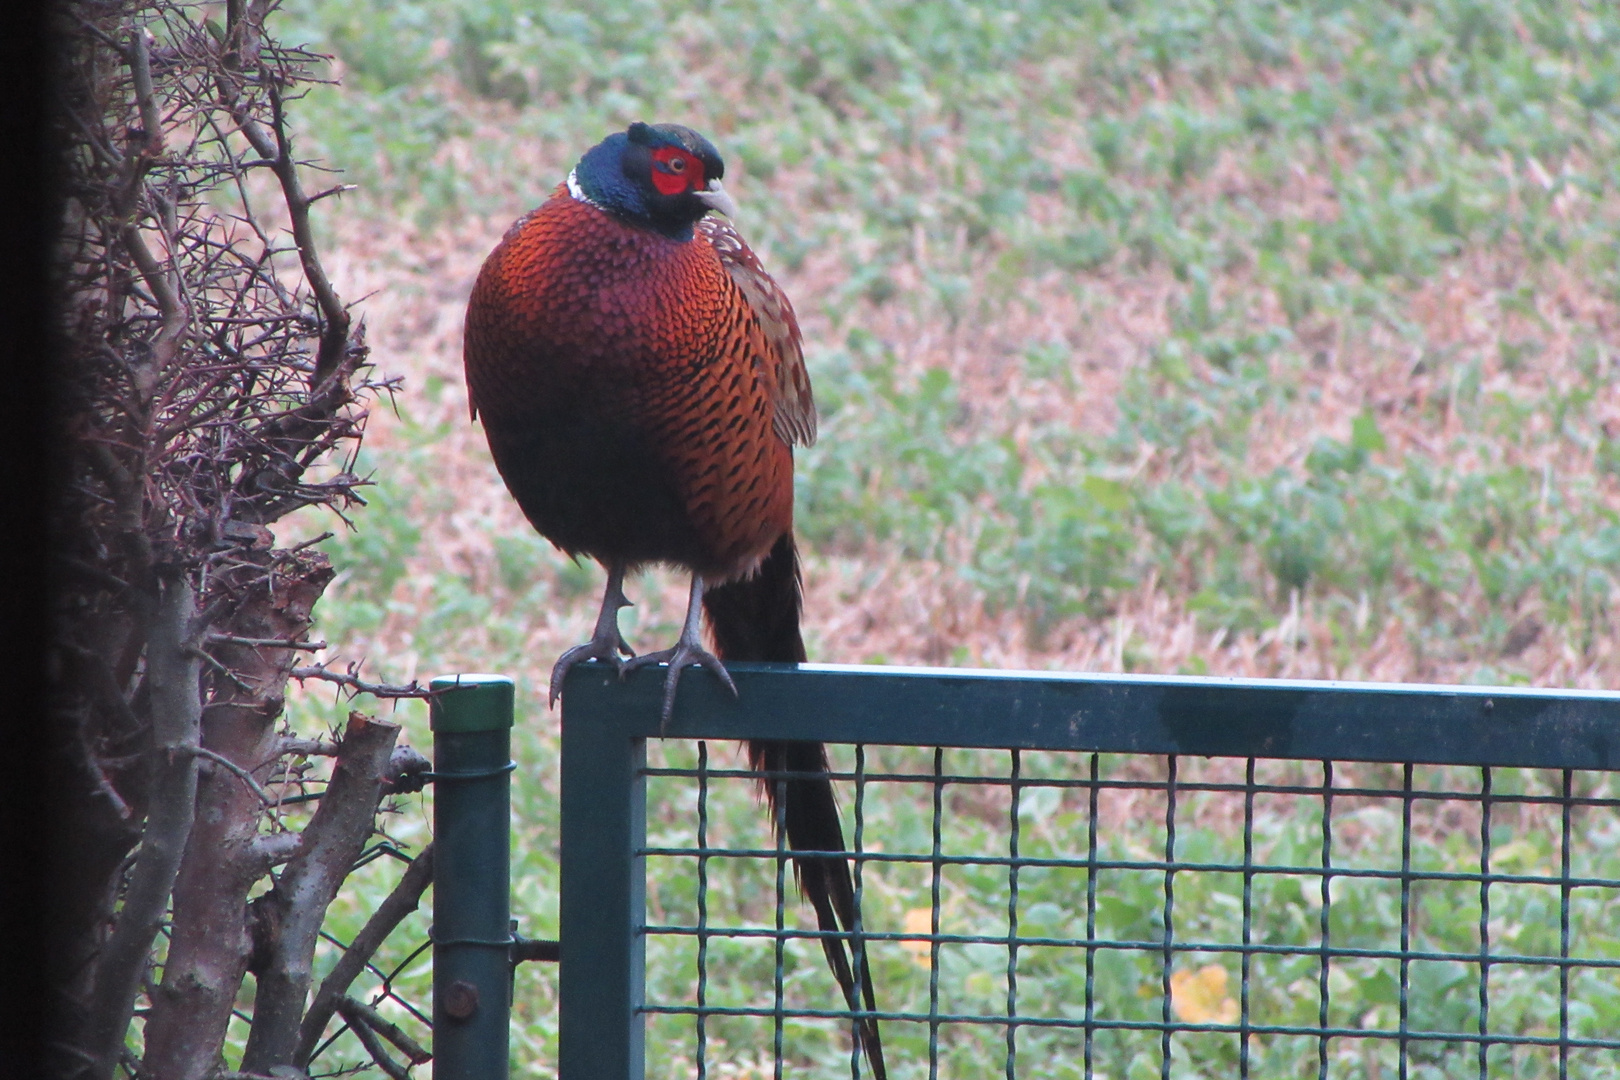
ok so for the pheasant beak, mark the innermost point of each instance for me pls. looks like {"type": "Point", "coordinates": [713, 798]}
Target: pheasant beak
{"type": "Point", "coordinates": [715, 197]}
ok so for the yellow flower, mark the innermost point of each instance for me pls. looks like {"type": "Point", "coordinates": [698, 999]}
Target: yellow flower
{"type": "Point", "coordinates": [1199, 997]}
{"type": "Point", "coordinates": [919, 921]}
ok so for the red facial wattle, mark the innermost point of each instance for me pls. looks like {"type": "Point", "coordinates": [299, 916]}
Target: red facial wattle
{"type": "Point", "coordinates": [676, 171]}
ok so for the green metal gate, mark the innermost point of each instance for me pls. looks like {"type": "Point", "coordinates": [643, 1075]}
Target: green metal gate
{"type": "Point", "coordinates": [1494, 810]}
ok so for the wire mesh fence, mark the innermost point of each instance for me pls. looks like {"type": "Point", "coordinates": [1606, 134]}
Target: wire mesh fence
{"type": "Point", "coordinates": [1034, 913]}
{"type": "Point", "coordinates": [393, 1021]}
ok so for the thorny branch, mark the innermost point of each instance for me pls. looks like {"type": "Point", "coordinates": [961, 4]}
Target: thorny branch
{"type": "Point", "coordinates": [352, 1010]}
{"type": "Point", "coordinates": [212, 385]}
{"type": "Point", "coordinates": [352, 681]}
{"type": "Point", "coordinates": [279, 643]}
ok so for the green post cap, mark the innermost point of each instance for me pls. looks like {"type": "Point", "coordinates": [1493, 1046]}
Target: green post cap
{"type": "Point", "coordinates": [472, 703]}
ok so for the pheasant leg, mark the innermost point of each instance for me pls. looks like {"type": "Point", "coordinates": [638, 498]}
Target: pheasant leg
{"type": "Point", "coordinates": [606, 642]}
{"type": "Point", "coordinates": [688, 649]}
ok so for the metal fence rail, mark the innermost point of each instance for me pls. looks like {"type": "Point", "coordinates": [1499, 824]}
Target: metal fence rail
{"type": "Point", "coordinates": [1103, 876]}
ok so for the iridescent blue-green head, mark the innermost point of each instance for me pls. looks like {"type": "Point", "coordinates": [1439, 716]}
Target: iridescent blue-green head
{"type": "Point", "coordinates": [662, 177]}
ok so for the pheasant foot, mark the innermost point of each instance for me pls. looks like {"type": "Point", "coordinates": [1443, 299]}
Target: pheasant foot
{"type": "Point", "coordinates": [688, 650]}
{"type": "Point", "coordinates": [606, 642]}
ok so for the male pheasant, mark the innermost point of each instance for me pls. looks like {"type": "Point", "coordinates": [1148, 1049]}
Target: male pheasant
{"type": "Point", "coordinates": [642, 385]}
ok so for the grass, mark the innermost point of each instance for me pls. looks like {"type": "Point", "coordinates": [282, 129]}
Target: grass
{"type": "Point", "coordinates": [1054, 822]}
{"type": "Point", "coordinates": [1253, 338]}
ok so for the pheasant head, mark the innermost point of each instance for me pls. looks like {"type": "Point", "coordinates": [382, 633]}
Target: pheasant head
{"type": "Point", "coordinates": [662, 177]}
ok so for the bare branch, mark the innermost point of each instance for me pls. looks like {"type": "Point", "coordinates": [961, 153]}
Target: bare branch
{"type": "Point", "coordinates": [276, 146]}
{"type": "Point", "coordinates": [351, 679]}
{"type": "Point", "coordinates": [104, 785]}
{"type": "Point", "coordinates": [337, 189]}
{"type": "Point", "coordinates": [225, 672]}
{"type": "Point", "coordinates": [389, 914]}
{"type": "Point", "coordinates": [332, 841]}
{"type": "Point", "coordinates": [231, 639]}
{"type": "Point", "coordinates": [273, 849]}
{"type": "Point", "coordinates": [211, 946]}
{"type": "Point", "coordinates": [163, 285]}
{"type": "Point", "coordinates": [359, 1024]}
{"type": "Point", "coordinates": [357, 1012]}
{"type": "Point", "coordinates": [293, 745]}
{"type": "Point", "coordinates": [235, 770]}
{"type": "Point", "coordinates": [311, 542]}
{"type": "Point", "coordinates": [140, 67]}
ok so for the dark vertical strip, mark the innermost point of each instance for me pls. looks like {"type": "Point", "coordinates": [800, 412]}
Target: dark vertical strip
{"type": "Point", "coordinates": [1012, 919]}
{"type": "Point", "coordinates": [1406, 918]}
{"type": "Point", "coordinates": [933, 915]}
{"type": "Point", "coordinates": [857, 946]}
{"type": "Point", "coordinates": [1167, 957]}
{"type": "Point", "coordinates": [1563, 927]}
{"type": "Point", "coordinates": [38, 801]}
{"type": "Point", "coordinates": [1484, 921]}
{"type": "Point", "coordinates": [780, 940]}
{"type": "Point", "coordinates": [1322, 991]}
{"type": "Point", "coordinates": [1091, 916]}
{"type": "Point", "coordinates": [703, 912]}
{"type": "Point", "coordinates": [1248, 920]}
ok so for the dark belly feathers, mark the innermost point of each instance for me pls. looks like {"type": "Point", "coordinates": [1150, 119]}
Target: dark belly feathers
{"type": "Point", "coordinates": [632, 420]}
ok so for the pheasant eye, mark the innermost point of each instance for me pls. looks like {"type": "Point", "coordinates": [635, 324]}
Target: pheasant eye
{"type": "Point", "coordinates": [675, 171]}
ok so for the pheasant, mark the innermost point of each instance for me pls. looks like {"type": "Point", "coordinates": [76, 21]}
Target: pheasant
{"type": "Point", "coordinates": [642, 385]}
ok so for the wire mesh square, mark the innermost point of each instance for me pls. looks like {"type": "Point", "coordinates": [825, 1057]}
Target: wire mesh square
{"type": "Point", "coordinates": [1094, 915]}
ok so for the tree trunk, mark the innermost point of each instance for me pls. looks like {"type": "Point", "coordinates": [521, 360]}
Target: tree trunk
{"type": "Point", "coordinates": [332, 841]}
{"type": "Point", "coordinates": [173, 665]}
{"type": "Point", "coordinates": [211, 943]}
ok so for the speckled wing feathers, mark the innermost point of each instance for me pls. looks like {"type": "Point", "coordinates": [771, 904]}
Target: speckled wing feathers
{"type": "Point", "coordinates": [795, 417]}
{"type": "Point", "coordinates": [641, 394]}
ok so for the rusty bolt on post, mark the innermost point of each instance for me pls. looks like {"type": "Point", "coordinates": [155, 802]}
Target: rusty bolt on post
{"type": "Point", "coordinates": [461, 999]}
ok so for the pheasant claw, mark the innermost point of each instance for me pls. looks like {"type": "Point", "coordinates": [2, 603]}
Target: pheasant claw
{"type": "Point", "coordinates": [606, 642]}
{"type": "Point", "coordinates": [687, 650]}
{"type": "Point", "coordinates": [682, 656]}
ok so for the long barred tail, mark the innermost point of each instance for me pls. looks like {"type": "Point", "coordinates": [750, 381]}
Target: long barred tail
{"type": "Point", "coordinates": [757, 618]}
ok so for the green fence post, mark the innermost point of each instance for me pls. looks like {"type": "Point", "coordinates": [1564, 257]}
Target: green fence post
{"type": "Point", "coordinates": [603, 902]}
{"type": "Point", "coordinates": [472, 983]}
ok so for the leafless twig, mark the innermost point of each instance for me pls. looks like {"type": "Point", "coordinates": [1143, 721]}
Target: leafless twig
{"type": "Point", "coordinates": [358, 1013]}
{"type": "Point", "coordinates": [275, 146]}
{"type": "Point", "coordinates": [297, 746]}
{"type": "Point", "coordinates": [232, 639]}
{"type": "Point", "coordinates": [362, 1029]}
{"type": "Point", "coordinates": [235, 770]}
{"type": "Point", "coordinates": [352, 681]}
